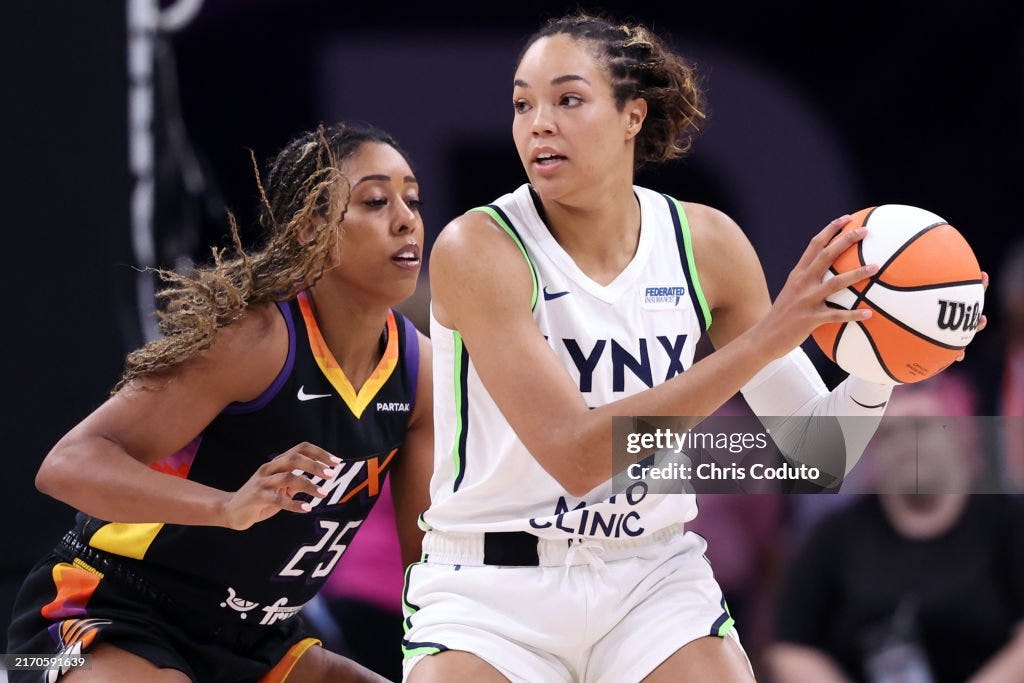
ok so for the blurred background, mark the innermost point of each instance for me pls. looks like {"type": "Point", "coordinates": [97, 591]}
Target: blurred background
{"type": "Point", "coordinates": [129, 127]}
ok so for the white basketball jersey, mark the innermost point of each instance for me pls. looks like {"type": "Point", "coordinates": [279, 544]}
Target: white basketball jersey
{"type": "Point", "coordinates": [615, 340]}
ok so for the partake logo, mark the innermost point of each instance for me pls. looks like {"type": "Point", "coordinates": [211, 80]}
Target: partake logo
{"type": "Point", "coordinates": [664, 296]}
{"type": "Point", "coordinates": [392, 407]}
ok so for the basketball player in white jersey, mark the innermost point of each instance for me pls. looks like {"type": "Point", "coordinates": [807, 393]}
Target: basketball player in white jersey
{"type": "Point", "coordinates": [575, 298]}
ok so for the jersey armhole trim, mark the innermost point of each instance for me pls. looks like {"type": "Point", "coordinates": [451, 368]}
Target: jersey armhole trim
{"type": "Point", "coordinates": [499, 217]}
{"type": "Point", "coordinates": [460, 381]}
{"type": "Point", "coordinates": [410, 359]}
{"type": "Point", "coordinates": [685, 243]}
{"type": "Point", "coordinates": [263, 399]}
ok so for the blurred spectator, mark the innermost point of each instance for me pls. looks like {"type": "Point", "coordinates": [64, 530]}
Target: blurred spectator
{"type": "Point", "coordinates": [910, 587]}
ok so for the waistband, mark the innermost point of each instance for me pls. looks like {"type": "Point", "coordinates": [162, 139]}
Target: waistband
{"type": "Point", "coordinates": [523, 549]}
{"type": "Point", "coordinates": [72, 547]}
{"type": "Point", "coordinates": [191, 618]}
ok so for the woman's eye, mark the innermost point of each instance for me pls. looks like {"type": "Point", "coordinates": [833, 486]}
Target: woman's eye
{"type": "Point", "coordinates": [571, 100]}
{"type": "Point", "coordinates": [414, 204]}
{"type": "Point", "coordinates": [376, 203]}
{"type": "Point", "coordinates": [521, 106]}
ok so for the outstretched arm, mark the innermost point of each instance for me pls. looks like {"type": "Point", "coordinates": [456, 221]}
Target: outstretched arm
{"type": "Point", "coordinates": [481, 288]}
{"type": "Point", "coordinates": [788, 392]}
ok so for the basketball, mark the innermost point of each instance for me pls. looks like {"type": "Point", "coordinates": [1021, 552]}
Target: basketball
{"type": "Point", "coordinates": [926, 297]}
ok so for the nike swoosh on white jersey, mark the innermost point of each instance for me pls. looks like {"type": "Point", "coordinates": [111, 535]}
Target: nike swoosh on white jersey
{"type": "Point", "coordinates": [303, 396]}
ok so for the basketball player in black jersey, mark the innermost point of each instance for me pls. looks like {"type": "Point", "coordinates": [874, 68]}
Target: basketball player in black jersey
{"type": "Point", "coordinates": [223, 479]}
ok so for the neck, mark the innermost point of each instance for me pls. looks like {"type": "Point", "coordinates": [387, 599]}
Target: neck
{"type": "Point", "coordinates": [922, 515]}
{"type": "Point", "coordinates": [600, 231]}
{"type": "Point", "coordinates": [351, 329]}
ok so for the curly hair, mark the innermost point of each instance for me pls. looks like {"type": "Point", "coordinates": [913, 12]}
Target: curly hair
{"type": "Point", "coordinates": [304, 200]}
{"type": "Point", "coordinates": [640, 65]}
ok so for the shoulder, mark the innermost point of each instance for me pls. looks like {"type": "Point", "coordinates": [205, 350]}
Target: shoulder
{"type": "Point", "coordinates": [471, 245]}
{"type": "Point", "coordinates": [245, 355]}
{"type": "Point", "coordinates": [713, 231]}
{"type": "Point", "coordinates": [490, 227]}
{"type": "Point", "coordinates": [259, 330]}
{"type": "Point", "coordinates": [471, 231]}
{"type": "Point", "coordinates": [729, 270]}
{"type": "Point", "coordinates": [474, 263]}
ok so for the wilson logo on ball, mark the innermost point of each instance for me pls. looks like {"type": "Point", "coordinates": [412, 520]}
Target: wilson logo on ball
{"type": "Point", "coordinates": [957, 315]}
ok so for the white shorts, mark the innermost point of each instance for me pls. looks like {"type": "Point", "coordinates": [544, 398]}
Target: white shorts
{"type": "Point", "coordinates": [602, 611]}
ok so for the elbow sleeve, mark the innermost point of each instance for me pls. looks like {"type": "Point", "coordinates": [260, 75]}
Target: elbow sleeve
{"type": "Point", "coordinates": [811, 425]}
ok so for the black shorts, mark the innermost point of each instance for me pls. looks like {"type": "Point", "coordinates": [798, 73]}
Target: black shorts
{"type": "Point", "coordinates": [78, 596]}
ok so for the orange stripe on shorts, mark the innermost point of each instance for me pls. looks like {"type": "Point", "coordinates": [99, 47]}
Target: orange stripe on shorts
{"type": "Point", "coordinates": [74, 588]}
{"type": "Point", "coordinates": [284, 667]}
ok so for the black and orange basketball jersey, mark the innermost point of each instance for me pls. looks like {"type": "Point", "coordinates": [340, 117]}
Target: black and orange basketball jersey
{"type": "Point", "coordinates": [266, 573]}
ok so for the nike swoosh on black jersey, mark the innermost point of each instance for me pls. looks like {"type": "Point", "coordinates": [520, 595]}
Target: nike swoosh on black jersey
{"type": "Point", "coordinates": [303, 396]}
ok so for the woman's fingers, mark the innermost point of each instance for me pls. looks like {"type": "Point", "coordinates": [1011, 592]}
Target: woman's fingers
{"type": "Point", "coordinates": [827, 256]}
{"type": "Point", "coordinates": [848, 279]}
{"type": "Point", "coordinates": [292, 460]}
{"type": "Point", "coordinates": [821, 240]}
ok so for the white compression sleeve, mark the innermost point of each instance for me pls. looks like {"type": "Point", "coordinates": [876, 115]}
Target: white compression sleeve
{"type": "Point", "coordinates": [788, 392]}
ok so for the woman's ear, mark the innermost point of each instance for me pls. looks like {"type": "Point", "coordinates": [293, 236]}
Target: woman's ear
{"type": "Point", "coordinates": [636, 109]}
{"type": "Point", "coordinates": [308, 231]}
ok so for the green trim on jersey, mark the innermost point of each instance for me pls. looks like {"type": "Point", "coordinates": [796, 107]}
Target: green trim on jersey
{"type": "Point", "coordinates": [500, 219]}
{"type": "Point", "coordinates": [461, 368]}
{"type": "Point", "coordinates": [688, 241]}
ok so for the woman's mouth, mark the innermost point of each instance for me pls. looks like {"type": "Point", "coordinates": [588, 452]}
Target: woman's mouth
{"type": "Point", "coordinates": [548, 161]}
{"type": "Point", "coordinates": [408, 257]}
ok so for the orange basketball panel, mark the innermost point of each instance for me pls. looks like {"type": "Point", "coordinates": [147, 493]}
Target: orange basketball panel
{"type": "Point", "coordinates": [849, 259]}
{"type": "Point", "coordinates": [825, 336]}
{"type": "Point", "coordinates": [857, 219]}
{"type": "Point", "coordinates": [907, 356]}
{"type": "Point", "coordinates": [938, 256]}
